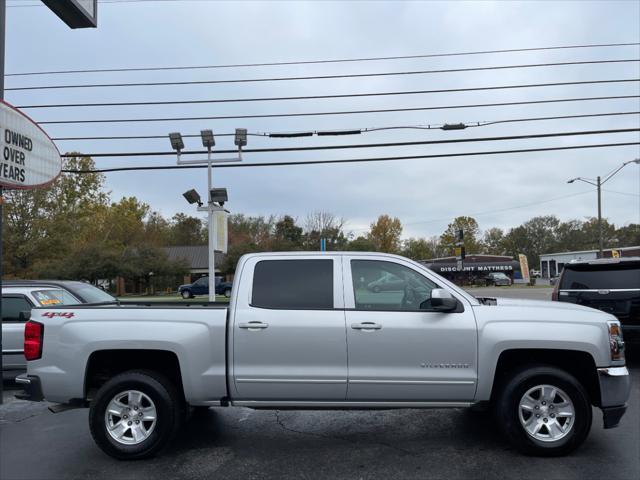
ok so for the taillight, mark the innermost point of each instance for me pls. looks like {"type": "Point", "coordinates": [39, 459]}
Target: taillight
{"type": "Point", "coordinates": [33, 332]}
{"type": "Point", "coordinates": [616, 342]}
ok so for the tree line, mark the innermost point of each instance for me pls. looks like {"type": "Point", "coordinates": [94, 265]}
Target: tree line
{"type": "Point", "coordinates": [73, 230]}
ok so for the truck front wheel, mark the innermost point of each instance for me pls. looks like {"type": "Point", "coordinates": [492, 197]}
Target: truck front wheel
{"type": "Point", "coordinates": [544, 410]}
{"type": "Point", "coordinates": [135, 414]}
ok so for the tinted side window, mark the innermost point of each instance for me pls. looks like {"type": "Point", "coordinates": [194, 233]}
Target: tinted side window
{"type": "Point", "coordinates": [293, 284]}
{"type": "Point", "coordinates": [601, 279]}
{"type": "Point", "coordinates": [12, 306]}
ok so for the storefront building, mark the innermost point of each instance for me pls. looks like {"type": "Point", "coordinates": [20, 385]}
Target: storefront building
{"type": "Point", "coordinates": [551, 264]}
{"type": "Point", "coordinates": [475, 268]}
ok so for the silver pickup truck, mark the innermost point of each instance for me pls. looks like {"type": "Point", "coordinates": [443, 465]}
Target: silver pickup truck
{"type": "Point", "coordinates": [331, 331]}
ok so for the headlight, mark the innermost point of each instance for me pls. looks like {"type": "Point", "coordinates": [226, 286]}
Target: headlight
{"type": "Point", "coordinates": [616, 342]}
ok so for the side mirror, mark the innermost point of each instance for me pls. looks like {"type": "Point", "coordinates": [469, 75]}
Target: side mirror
{"type": "Point", "coordinates": [442, 300]}
{"type": "Point", "coordinates": [24, 316]}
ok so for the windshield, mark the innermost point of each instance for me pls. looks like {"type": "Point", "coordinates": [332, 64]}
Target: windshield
{"type": "Point", "coordinates": [92, 294]}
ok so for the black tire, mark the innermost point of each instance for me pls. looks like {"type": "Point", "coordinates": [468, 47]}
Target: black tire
{"type": "Point", "coordinates": [376, 289]}
{"type": "Point", "coordinates": [227, 292]}
{"type": "Point", "coordinates": [507, 410]}
{"type": "Point", "coordinates": [186, 294]}
{"type": "Point", "coordinates": [169, 408]}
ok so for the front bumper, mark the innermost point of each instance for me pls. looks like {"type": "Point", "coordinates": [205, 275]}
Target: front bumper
{"type": "Point", "coordinates": [32, 388]}
{"type": "Point", "coordinates": [615, 388]}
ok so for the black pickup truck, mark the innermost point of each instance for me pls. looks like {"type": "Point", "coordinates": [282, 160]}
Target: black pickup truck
{"type": "Point", "coordinates": [608, 284]}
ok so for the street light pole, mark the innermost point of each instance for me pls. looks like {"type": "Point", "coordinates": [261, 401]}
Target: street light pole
{"type": "Point", "coordinates": [600, 240]}
{"type": "Point", "coordinates": [212, 231]}
{"type": "Point", "coordinates": [213, 195]}
{"type": "Point", "coordinates": [598, 182]}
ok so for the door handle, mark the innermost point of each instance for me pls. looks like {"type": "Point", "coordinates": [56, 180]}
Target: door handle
{"type": "Point", "coordinates": [253, 326]}
{"type": "Point", "coordinates": [366, 326]}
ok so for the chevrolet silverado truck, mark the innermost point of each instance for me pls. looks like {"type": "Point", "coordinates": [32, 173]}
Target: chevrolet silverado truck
{"type": "Point", "coordinates": [304, 331]}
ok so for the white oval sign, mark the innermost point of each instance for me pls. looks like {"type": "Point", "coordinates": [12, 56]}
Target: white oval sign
{"type": "Point", "coordinates": [29, 158]}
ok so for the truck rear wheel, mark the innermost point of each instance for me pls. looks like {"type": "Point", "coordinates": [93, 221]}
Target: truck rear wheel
{"type": "Point", "coordinates": [544, 411]}
{"type": "Point", "coordinates": [135, 414]}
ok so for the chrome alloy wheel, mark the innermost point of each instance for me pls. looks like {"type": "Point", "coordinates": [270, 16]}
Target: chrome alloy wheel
{"type": "Point", "coordinates": [546, 413]}
{"type": "Point", "coordinates": [130, 417]}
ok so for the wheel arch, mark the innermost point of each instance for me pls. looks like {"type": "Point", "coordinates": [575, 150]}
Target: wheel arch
{"type": "Point", "coordinates": [579, 364]}
{"type": "Point", "coordinates": [105, 364]}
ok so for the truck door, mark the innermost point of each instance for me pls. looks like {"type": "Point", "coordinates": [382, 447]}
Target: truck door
{"type": "Point", "coordinates": [399, 350]}
{"type": "Point", "coordinates": [289, 340]}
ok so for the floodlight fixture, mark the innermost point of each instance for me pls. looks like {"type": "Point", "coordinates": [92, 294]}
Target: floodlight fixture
{"type": "Point", "coordinates": [176, 141]}
{"type": "Point", "coordinates": [218, 195]}
{"type": "Point", "coordinates": [572, 180]}
{"type": "Point", "coordinates": [192, 197]}
{"type": "Point", "coordinates": [207, 138]}
{"type": "Point", "coordinates": [241, 137]}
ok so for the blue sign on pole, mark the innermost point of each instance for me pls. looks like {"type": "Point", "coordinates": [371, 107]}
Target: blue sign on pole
{"type": "Point", "coordinates": [323, 244]}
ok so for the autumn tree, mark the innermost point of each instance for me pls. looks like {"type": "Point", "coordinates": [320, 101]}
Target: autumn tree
{"type": "Point", "coordinates": [385, 234]}
{"type": "Point", "coordinates": [287, 235]}
{"type": "Point", "coordinates": [186, 230]}
{"type": "Point", "coordinates": [469, 226]}
{"type": "Point", "coordinates": [493, 241]}
{"type": "Point", "coordinates": [319, 225]}
{"type": "Point", "coordinates": [47, 223]}
{"type": "Point", "coordinates": [417, 249]}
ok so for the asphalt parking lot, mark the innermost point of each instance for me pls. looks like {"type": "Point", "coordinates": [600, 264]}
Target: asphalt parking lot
{"type": "Point", "coordinates": [241, 443]}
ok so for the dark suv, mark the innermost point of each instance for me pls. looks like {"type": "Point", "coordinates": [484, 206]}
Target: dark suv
{"type": "Point", "coordinates": [609, 284]}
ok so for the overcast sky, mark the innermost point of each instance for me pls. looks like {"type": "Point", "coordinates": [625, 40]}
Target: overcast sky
{"type": "Point", "coordinates": [425, 194]}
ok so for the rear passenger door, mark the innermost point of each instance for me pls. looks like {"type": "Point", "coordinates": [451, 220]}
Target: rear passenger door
{"type": "Point", "coordinates": [289, 340]}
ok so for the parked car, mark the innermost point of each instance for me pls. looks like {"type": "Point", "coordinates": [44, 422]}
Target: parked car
{"type": "Point", "coordinates": [611, 285]}
{"type": "Point", "coordinates": [386, 282]}
{"type": "Point", "coordinates": [21, 296]}
{"type": "Point", "coordinates": [497, 279]}
{"type": "Point", "coordinates": [201, 287]}
{"type": "Point", "coordinates": [300, 333]}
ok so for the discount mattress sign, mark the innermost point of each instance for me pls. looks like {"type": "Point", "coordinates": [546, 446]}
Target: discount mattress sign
{"type": "Point", "coordinates": [29, 158]}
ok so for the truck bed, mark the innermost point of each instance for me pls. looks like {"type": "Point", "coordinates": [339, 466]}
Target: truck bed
{"type": "Point", "coordinates": [196, 334]}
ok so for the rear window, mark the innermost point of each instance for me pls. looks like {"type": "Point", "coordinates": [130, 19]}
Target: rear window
{"type": "Point", "coordinates": [615, 277]}
{"type": "Point", "coordinates": [52, 297]}
{"type": "Point", "coordinates": [293, 284]}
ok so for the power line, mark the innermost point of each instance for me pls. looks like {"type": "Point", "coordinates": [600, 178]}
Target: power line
{"type": "Point", "coordinates": [490, 212]}
{"type": "Point", "coordinates": [321, 97]}
{"type": "Point", "coordinates": [310, 62]}
{"type": "Point", "coordinates": [352, 160]}
{"type": "Point", "coordinates": [621, 193]}
{"type": "Point", "coordinates": [361, 145]}
{"type": "Point", "coordinates": [344, 112]}
{"type": "Point", "coordinates": [360, 130]}
{"type": "Point", "coordinates": [323, 77]}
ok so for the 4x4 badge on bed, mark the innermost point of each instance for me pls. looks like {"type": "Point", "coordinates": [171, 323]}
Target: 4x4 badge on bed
{"type": "Point", "coordinates": [58, 314]}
